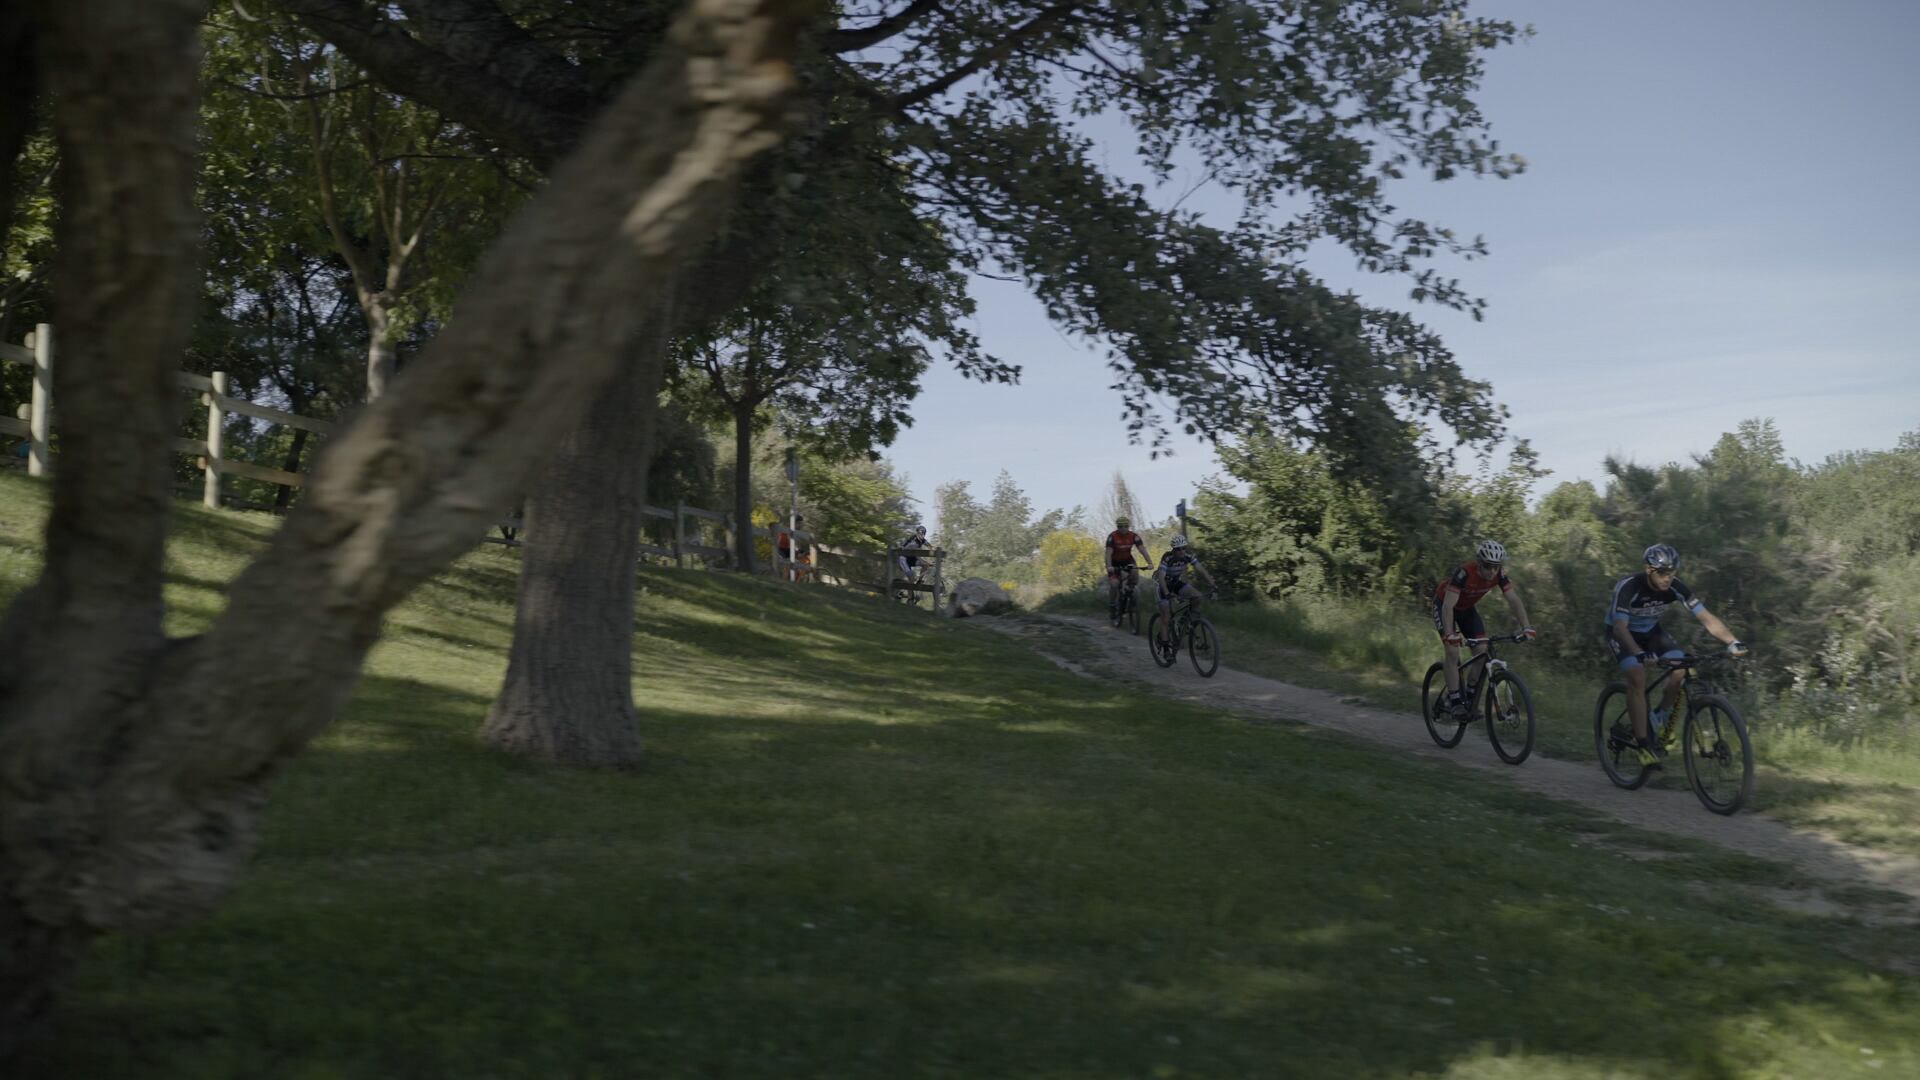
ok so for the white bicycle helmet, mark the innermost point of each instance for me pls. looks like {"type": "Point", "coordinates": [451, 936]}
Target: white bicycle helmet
{"type": "Point", "coordinates": [1179, 540]}
{"type": "Point", "coordinates": [1490, 551]}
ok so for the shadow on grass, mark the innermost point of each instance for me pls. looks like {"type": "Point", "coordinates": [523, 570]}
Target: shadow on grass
{"type": "Point", "coordinates": [1072, 885]}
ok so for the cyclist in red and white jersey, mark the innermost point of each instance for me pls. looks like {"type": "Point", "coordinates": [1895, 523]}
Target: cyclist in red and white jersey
{"type": "Point", "coordinates": [1456, 620]}
{"type": "Point", "coordinates": [1122, 542]}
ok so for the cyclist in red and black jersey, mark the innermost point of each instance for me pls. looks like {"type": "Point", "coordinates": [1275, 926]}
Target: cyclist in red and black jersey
{"type": "Point", "coordinates": [1122, 542]}
{"type": "Point", "coordinates": [1454, 615]}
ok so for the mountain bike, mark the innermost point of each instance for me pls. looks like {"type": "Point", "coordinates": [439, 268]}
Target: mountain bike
{"type": "Point", "coordinates": [1202, 640]}
{"type": "Point", "coordinates": [915, 576]}
{"type": "Point", "coordinates": [1705, 727]}
{"type": "Point", "coordinates": [1507, 704]}
{"type": "Point", "coordinates": [1125, 609]}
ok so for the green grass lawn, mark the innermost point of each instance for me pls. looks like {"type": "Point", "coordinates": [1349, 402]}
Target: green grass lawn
{"type": "Point", "coordinates": [1865, 793]}
{"type": "Point", "coordinates": [871, 844]}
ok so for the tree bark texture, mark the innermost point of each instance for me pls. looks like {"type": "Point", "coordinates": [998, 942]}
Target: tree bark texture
{"type": "Point", "coordinates": [85, 640]}
{"type": "Point", "coordinates": [382, 357]}
{"type": "Point", "coordinates": [133, 767]}
{"type": "Point", "coordinates": [568, 695]}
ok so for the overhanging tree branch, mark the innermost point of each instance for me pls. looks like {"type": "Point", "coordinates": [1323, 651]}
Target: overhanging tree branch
{"type": "Point", "coordinates": [540, 129]}
{"type": "Point", "coordinates": [845, 41]}
{"type": "Point", "coordinates": [1053, 18]}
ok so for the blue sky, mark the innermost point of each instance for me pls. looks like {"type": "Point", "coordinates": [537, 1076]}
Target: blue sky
{"type": "Point", "coordinates": [1717, 222]}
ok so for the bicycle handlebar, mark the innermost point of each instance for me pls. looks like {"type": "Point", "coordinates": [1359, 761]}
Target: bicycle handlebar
{"type": "Point", "coordinates": [1490, 639]}
{"type": "Point", "coordinates": [1691, 660]}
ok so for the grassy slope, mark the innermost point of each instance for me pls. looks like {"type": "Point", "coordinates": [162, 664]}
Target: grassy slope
{"type": "Point", "coordinates": [869, 844]}
{"type": "Point", "coordinates": [1866, 794]}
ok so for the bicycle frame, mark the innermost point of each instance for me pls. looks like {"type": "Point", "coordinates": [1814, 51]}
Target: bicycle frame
{"type": "Point", "coordinates": [1488, 660]}
{"type": "Point", "coordinates": [1690, 683]}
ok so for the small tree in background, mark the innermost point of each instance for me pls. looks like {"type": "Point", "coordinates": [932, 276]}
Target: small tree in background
{"type": "Point", "coordinates": [1069, 559]}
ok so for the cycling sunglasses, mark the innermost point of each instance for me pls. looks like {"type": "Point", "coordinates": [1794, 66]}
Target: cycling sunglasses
{"type": "Point", "coordinates": [1490, 567]}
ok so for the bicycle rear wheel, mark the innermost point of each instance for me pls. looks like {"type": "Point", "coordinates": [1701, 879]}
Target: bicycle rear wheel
{"type": "Point", "coordinates": [1433, 709]}
{"type": "Point", "coordinates": [1613, 739]}
{"type": "Point", "coordinates": [1203, 648]}
{"type": "Point", "coordinates": [1509, 717]}
{"type": "Point", "coordinates": [1162, 655]}
{"type": "Point", "coordinates": [1719, 755]}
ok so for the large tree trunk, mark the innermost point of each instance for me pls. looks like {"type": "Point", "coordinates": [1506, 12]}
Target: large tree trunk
{"type": "Point", "coordinates": [743, 550]}
{"type": "Point", "coordinates": [85, 641]}
{"type": "Point", "coordinates": [568, 695]}
{"type": "Point", "coordinates": [133, 768]}
{"type": "Point", "coordinates": [568, 691]}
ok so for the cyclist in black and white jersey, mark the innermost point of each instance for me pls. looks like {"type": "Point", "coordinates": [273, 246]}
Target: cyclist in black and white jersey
{"type": "Point", "coordinates": [1635, 638]}
{"type": "Point", "coordinates": [917, 540]}
{"type": "Point", "coordinates": [1171, 576]}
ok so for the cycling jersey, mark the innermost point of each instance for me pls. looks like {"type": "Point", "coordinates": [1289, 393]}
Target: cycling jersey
{"type": "Point", "coordinates": [920, 542]}
{"type": "Point", "coordinates": [1175, 564]}
{"type": "Point", "coordinates": [1472, 583]}
{"type": "Point", "coordinates": [1638, 604]}
{"type": "Point", "coordinates": [1120, 546]}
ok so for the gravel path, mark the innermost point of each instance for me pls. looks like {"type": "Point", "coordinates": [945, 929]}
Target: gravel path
{"type": "Point", "coordinates": [1668, 807]}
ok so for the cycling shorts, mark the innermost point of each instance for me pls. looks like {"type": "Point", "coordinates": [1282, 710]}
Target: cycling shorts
{"type": "Point", "coordinates": [1467, 620]}
{"type": "Point", "coordinates": [1654, 641]}
{"type": "Point", "coordinates": [1181, 587]}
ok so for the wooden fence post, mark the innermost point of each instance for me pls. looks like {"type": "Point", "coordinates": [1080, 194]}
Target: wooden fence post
{"type": "Point", "coordinates": [216, 438]}
{"type": "Point", "coordinates": [680, 536]}
{"type": "Point", "coordinates": [40, 413]}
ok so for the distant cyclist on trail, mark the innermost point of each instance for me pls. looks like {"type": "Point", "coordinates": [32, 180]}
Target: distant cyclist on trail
{"type": "Point", "coordinates": [1635, 638]}
{"type": "Point", "coordinates": [1457, 621]}
{"type": "Point", "coordinates": [915, 541]}
{"type": "Point", "coordinates": [1171, 576]}
{"type": "Point", "coordinates": [1122, 542]}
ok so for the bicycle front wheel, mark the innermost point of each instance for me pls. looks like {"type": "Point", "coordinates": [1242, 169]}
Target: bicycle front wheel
{"type": "Point", "coordinates": [1203, 648]}
{"type": "Point", "coordinates": [1163, 654]}
{"type": "Point", "coordinates": [1433, 709]}
{"type": "Point", "coordinates": [1133, 614]}
{"type": "Point", "coordinates": [1613, 739]}
{"type": "Point", "coordinates": [1719, 755]}
{"type": "Point", "coordinates": [1509, 717]}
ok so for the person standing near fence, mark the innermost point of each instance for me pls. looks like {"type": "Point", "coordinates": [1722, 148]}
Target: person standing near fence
{"type": "Point", "coordinates": [798, 565]}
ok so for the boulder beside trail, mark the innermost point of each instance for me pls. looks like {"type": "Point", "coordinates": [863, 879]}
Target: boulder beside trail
{"type": "Point", "coordinates": [978, 596]}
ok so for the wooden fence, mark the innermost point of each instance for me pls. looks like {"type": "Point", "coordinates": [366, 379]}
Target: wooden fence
{"type": "Point", "coordinates": [209, 452]}
{"type": "Point", "coordinates": [850, 568]}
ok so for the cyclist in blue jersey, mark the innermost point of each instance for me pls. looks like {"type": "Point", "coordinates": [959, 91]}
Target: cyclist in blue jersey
{"type": "Point", "coordinates": [1635, 639]}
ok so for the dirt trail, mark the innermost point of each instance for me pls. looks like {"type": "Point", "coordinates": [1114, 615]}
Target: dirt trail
{"type": "Point", "coordinates": [1669, 808]}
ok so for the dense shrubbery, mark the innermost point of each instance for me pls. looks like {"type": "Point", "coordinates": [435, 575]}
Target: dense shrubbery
{"type": "Point", "coordinates": [1818, 566]}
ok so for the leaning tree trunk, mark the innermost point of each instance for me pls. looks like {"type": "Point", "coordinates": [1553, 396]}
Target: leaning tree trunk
{"type": "Point", "coordinates": [568, 695]}
{"type": "Point", "coordinates": [743, 550]}
{"type": "Point", "coordinates": [132, 767]}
